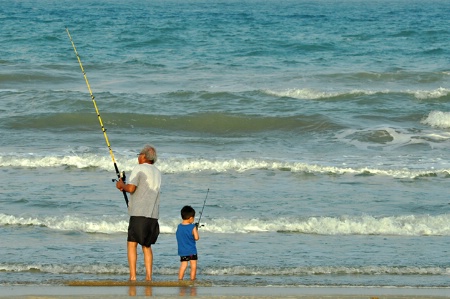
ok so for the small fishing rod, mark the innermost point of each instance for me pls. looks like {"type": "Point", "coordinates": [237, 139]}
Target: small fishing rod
{"type": "Point", "coordinates": [201, 213]}
{"type": "Point", "coordinates": [120, 175]}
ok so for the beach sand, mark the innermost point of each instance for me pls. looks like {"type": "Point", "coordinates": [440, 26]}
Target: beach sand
{"type": "Point", "coordinates": [204, 291]}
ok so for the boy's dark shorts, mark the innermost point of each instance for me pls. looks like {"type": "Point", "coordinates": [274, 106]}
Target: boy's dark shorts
{"type": "Point", "coordinates": [188, 258]}
{"type": "Point", "coordinates": [143, 230]}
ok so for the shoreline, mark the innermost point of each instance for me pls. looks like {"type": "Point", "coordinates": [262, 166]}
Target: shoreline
{"type": "Point", "coordinates": [188, 290]}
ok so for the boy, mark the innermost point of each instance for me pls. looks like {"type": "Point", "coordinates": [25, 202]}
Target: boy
{"type": "Point", "coordinates": [187, 235]}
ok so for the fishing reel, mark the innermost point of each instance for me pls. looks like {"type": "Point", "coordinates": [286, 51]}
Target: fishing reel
{"type": "Point", "coordinates": [197, 225]}
{"type": "Point", "coordinates": [122, 176]}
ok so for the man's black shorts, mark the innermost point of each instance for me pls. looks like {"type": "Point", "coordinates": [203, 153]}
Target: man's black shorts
{"type": "Point", "coordinates": [143, 230]}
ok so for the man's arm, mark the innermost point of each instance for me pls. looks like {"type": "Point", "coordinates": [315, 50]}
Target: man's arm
{"type": "Point", "coordinates": [130, 188]}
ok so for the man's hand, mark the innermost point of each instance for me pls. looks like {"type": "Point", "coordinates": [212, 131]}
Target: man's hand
{"type": "Point", "coordinates": [120, 184]}
{"type": "Point", "coordinates": [130, 188]}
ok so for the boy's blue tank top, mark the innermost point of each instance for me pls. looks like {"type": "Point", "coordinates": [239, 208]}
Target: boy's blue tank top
{"type": "Point", "coordinates": [185, 240]}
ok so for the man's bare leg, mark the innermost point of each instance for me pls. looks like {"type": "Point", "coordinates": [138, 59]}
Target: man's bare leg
{"type": "Point", "coordinates": [148, 261]}
{"type": "Point", "coordinates": [132, 257]}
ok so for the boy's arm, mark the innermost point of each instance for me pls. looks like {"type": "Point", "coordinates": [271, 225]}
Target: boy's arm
{"type": "Point", "coordinates": [195, 233]}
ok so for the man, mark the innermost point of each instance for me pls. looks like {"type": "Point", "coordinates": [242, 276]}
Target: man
{"type": "Point", "coordinates": [143, 228]}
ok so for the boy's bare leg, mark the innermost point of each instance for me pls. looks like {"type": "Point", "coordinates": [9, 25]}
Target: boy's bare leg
{"type": "Point", "coordinates": [193, 269]}
{"type": "Point", "coordinates": [148, 261]}
{"type": "Point", "coordinates": [132, 257]}
{"type": "Point", "coordinates": [183, 267]}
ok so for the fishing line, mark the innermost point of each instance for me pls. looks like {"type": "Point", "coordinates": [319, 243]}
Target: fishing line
{"type": "Point", "coordinates": [201, 213]}
{"type": "Point", "coordinates": [120, 175]}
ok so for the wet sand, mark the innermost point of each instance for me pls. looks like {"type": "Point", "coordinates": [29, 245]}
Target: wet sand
{"type": "Point", "coordinates": [231, 292]}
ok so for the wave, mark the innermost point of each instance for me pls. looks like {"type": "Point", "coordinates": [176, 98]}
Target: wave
{"type": "Point", "coordinates": [409, 225]}
{"type": "Point", "coordinates": [437, 119]}
{"type": "Point", "coordinates": [111, 269]}
{"type": "Point", "coordinates": [32, 75]}
{"type": "Point", "coordinates": [327, 270]}
{"type": "Point", "coordinates": [312, 94]}
{"type": "Point", "coordinates": [432, 94]}
{"type": "Point", "coordinates": [216, 123]}
{"type": "Point", "coordinates": [64, 268]}
{"type": "Point", "coordinates": [231, 103]}
{"type": "Point", "coordinates": [67, 223]}
{"type": "Point", "coordinates": [194, 165]}
{"type": "Point", "coordinates": [390, 76]}
{"type": "Point", "coordinates": [390, 138]}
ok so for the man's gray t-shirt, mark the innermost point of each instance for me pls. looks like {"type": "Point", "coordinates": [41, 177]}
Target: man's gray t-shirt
{"type": "Point", "coordinates": [144, 201]}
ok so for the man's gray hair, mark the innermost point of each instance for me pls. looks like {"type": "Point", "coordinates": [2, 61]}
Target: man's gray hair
{"type": "Point", "coordinates": [150, 153]}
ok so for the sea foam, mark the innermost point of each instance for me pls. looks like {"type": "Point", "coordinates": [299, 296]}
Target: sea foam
{"type": "Point", "coordinates": [437, 119]}
{"type": "Point", "coordinates": [404, 225]}
{"type": "Point", "coordinates": [194, 165]}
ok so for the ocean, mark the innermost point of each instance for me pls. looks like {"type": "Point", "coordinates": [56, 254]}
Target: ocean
{"type": "Point", "coordinates": [321, 129]}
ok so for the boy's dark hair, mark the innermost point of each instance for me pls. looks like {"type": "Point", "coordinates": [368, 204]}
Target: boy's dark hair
{"type": "Point", "coordinates": [187, 212]}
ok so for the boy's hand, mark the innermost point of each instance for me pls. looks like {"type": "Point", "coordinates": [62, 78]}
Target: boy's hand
{"type": "Point", "coordinates": [196, 225]}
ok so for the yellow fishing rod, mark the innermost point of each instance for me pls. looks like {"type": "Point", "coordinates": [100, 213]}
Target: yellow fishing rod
{"type": "Point", "coordinates": [120, 175]}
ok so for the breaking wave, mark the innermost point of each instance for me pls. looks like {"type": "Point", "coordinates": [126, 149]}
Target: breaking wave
{"type": "Point", "coordinates": [408, 225]}
{"type": "Point", "coordinates": [233, 270]}
{"type": "Point", "coordinates": [182, 165]}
